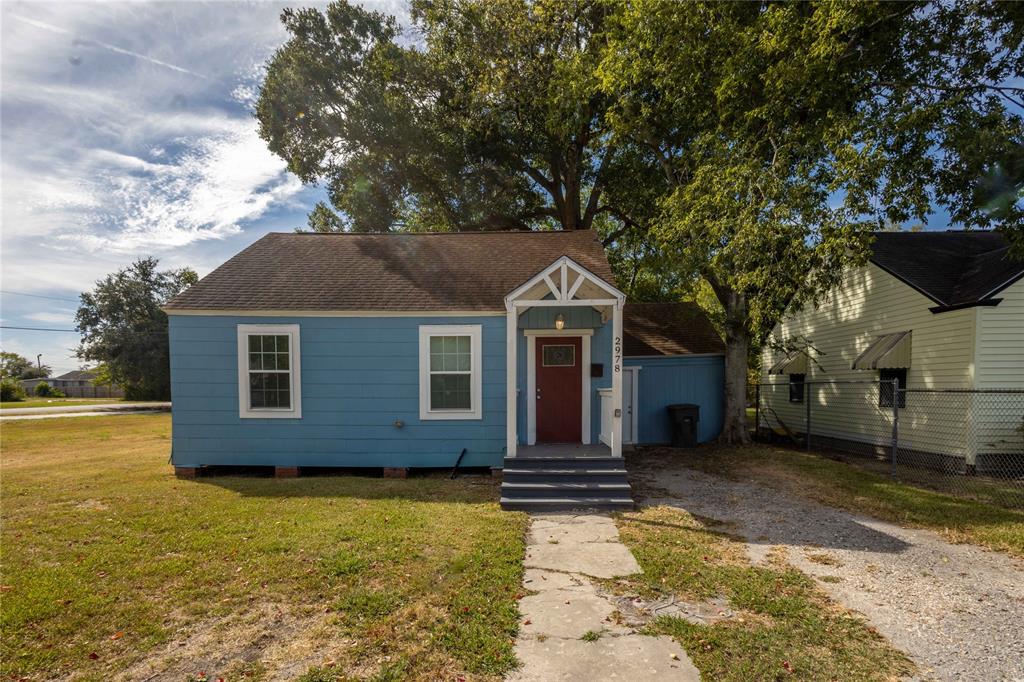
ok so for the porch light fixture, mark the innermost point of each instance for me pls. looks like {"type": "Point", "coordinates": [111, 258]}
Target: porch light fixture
{"type": "Point", "coordinates": [559, 321]}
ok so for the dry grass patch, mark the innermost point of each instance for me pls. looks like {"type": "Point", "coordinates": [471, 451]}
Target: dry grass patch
{"type": "Point", "coordinates": [114, 568]}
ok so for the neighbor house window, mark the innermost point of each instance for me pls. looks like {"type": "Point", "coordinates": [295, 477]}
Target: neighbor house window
{"type": "Point", "coordinates": [450, 372]}
{"type": "Point", "coordinates": [885, 387]}
{"type": "Point", "coordinates": [796, 388]}
{"type": "Point", "coordinates": [268, 371]}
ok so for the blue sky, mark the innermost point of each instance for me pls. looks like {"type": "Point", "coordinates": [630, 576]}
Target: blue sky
{"type": "Point", "coordinates": [126, 132]}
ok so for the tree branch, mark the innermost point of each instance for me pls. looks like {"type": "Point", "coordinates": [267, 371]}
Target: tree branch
{"type": "Point", "coordinates": [999, 89]}
{"type": "Point", "coordinates": [597, 189]}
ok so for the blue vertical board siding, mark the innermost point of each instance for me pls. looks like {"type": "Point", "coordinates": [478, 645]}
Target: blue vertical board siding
{"type": "Point", "coordinates": [359, 376]}
{"type": "Point", "coordinates": [576, 317]}
{"type": "Point", "coordinates": [664, 381]}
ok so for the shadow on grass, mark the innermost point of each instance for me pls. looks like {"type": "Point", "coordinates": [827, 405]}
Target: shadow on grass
{"type": "Point", "coordinates": [761, 516]}
{"type": "Point", "coordinates": [428, 486]}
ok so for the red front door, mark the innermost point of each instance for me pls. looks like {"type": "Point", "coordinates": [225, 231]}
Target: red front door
{"type": "Point", "coordinates": [559, 389]}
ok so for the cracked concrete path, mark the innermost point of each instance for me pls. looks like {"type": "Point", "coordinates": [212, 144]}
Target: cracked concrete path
{"type": "Point", "coordinates": [563, 553]}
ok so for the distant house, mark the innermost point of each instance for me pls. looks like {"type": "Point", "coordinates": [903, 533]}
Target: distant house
{"type": "Point", "coordinates": [942, 313]}
{"type": "Point", "coordinates": [75, 384]}
{"type": "Point", "coordinates": [408, 350]}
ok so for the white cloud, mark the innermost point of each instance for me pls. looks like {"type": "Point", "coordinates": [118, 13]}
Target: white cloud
{"type": "Point", "coordinates": [106, 46]}
{"type": "Point", "coordinates": [65, 318]}
{"type": "Point", "coordinates": [219, 182]}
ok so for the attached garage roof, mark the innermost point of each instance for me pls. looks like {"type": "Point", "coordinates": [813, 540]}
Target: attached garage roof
{"type": "Point", "coordinates": [668, 329]}
{"type": "Point", "coordinates": [890, 351]}
{"type": "Point", "coordinates": [455, 271]}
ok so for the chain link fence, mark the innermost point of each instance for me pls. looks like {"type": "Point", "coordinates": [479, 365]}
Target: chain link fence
{"type": "Point", "coordinates": [966, 442]}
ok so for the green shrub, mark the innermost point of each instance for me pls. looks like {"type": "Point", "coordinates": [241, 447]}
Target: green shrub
{"type": "Point", "coordinates": [44, 390]}
{"type": "Point", "coordinates": [11, 391]}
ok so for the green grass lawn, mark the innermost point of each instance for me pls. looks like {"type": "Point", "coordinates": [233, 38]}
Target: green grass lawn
{"type": "Point", "coordinates": [112, 567]}
{"type": "Point", "coordinates": [58, 402]}
{"type": "Point", "coordinates": [849, 487]}
{"type": "Point", "coordinates": [783, 626]}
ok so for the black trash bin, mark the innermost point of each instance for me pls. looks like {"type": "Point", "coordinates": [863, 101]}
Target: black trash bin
{"type": "Point", "coordinates": [683, 419]}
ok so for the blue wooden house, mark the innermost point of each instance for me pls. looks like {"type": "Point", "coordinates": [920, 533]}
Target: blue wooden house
{"type": "Point", "coordinates": [514, 350]}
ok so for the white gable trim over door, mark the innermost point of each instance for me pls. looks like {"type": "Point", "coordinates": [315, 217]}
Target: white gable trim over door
{"type": "Point", "coordinates": [566, 281]}
{"type": "Point", "coordinates": [563, 283]}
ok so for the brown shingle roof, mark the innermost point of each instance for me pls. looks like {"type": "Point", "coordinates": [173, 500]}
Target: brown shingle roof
{"type": "Point", "coordinates": [668, 329]}
{"type": "Point", "coordinates": [470, 271]}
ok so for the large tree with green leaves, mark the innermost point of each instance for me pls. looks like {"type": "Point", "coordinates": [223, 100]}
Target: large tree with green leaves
{"type": "Point", "coordinates": [124, 329]}
{"type": "Point", "coordinates": [14, 366]}
{"type": "Point", "coordinates": [786, 132]}
{"type": "Point", "coordinates": [487, 115]}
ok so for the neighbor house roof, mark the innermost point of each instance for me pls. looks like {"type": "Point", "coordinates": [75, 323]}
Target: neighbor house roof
{"type": "Point", "coordinates": [668, 329]}
{"type": "Point", "coordinates": [955, 269]}
{"type": "Point", "coordinates": [77, 375]}
{"type": "Point", "coordinates": [464, 271]}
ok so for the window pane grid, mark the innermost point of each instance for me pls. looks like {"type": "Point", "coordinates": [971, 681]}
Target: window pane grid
{"type": "Point", "coordinates": [450, 371]}
{"type": "Point", "coordinates": [269, 371]}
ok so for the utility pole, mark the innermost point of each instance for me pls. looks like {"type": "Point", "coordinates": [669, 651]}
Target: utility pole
{"type": "Point", "coordinates": [39, 360]}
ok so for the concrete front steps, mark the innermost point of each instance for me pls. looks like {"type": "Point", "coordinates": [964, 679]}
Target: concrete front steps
{"type": "Point", "coordinates": [564, 484]}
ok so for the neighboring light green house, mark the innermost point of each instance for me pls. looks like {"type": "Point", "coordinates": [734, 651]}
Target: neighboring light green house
{"type": "Point", "coordinates": [934, 310]}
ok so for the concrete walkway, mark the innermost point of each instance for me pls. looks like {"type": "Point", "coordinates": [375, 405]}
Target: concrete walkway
{"type": "Point", "coordinates": [82, 410]}
{"type": "Point", "coordinates": [563, 553]}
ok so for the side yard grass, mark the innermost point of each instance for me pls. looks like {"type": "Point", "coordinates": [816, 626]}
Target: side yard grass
{"type": "Point", "coordinates": [855, 489]}
{"type": "Point", "coordinates": [783, 625]}
{"type": "Point", "coordinates": [111, 567]}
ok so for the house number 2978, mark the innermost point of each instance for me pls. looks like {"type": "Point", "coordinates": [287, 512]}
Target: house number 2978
{"type": "Point", "coordinates": [618, 354]}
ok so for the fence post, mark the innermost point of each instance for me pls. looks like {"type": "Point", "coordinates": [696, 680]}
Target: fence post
{"type": "Point", "coordinates": [757, 410]}
{"type": "Point", "coordinates": [807, 435]}
{"type": "Point", "coordinates": [895, 422]}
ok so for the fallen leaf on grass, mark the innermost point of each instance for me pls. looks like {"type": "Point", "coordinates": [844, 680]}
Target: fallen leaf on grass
{"type": "Point", "coordinates": [117, 635]}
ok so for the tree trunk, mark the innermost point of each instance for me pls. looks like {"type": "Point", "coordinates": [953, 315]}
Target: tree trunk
{"type": "Point", "coordinates": [737, 345]}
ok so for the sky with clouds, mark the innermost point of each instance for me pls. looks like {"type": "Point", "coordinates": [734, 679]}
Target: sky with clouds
{"type": "Point", "coordinates": [126, 131]}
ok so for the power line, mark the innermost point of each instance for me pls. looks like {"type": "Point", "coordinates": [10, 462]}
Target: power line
{"type": "Point", "coordinates": [52, 298]}
{"type": "Point", "coordinates": [76, 331]}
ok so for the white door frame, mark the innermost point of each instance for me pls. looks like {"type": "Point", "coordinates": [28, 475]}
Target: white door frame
{"type": "Point", "coordinates": [531, 379]}
{"type": "Point", "coordinates": [634, 420]}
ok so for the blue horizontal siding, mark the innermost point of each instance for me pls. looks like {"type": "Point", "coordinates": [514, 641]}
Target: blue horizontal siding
{"type": "Point", "coordinates": [359, 375]}
{"type": "Point", "coordinates": [664, 381]}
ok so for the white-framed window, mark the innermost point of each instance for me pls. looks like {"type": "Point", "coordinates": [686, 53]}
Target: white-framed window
{"type": "Point", "coordinates": [451, 376]}
{"type": "Point", "coordinates": [269, 371]}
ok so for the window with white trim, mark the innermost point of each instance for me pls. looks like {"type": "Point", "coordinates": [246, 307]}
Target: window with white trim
{"type": "Point", "coordinates": [268, 371]}
{"type": "Point", "coordinates": [450, 372]}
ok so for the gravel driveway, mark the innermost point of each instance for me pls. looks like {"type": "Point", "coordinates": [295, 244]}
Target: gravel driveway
{"type": "Point", "coordinates": [956, 610]}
